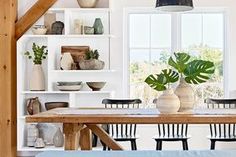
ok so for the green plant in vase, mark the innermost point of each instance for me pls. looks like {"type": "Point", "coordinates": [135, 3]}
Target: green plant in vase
{"type": "Point", "coordinates": [168, 102]}
{"type": "Point", "coordinates": [189, 71]}
{"type": "Point", "coordinates": [39, 53]}
{"type": "Point", "coordinates": [37, 79]}
{"type": "Point", "coordinates": [91, 61]}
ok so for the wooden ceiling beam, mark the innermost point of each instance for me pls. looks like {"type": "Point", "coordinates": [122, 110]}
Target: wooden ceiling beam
{"type": "Point", "coordinates": [32, 15]}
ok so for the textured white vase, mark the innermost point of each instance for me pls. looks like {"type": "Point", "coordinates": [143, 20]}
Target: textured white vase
{"type": "Point", "coordinates": [58, 138]}
{"type": "Point", "coordinates": [37, 79]}
{"type": "Point", "coordinates": [168, 102]}
{"type": "Point", "coordinates": [87, 3]}
{"type": "Point", "coordinates": [186, 96]}
{"type": "Point", "coordinates": [66, 61]}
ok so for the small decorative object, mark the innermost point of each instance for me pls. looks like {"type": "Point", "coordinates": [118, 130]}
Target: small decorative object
{"type": "Point", "coordinates": [98, 26]}
{"type": "Point", "coordinates": [77, 53]}
{"type": "Point", "coordinates": [57, 27]}
{"type": "Point", "coordinates": [32, 134]}
{"type": "Point", "coordinates": [66, 61]}
{"type": "Point", "coordinates": [33, 106]}
{"type": "Point", "coordinates": [96, 86]}
{"type": "Point", "coordinates": [53, 105]}
{"type": "Point", "coordinates": [39, 143]}
{"type": "Point", "coordinates": [58, 138]}
{"type": "Point", "coordinates": [91, 61]}
{"type": "Point", "coordinates": [74, 66]}
{"type": "Point", "coordinates": [78, 26]}
{"type": "Point", "coordinates": [39, 30]}
{"type": "Point", "coordinates": [168, 102]}
{"type": "Point", "coordinates": [87, 3]}
{"type": "Point", "coordinates": [47, 131]}
{"type": "Point", "coordinates": [69, 86]}
{"type": "Point", "coordinates": [192, 71]}
{"type": "Point", "coordinates": [37, 81]}
{"type": "Point", "coordinates": [88, 30]}
{"type": "Point", "coordinates": [49, 19]}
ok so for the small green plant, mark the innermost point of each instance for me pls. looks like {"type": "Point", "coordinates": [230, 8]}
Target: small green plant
{"type": "Point", "coordinates": [193, 71]}
{"type": "Point", "coordinates": [39, 53]}
{"type": "Point", "coordinates": [92, 54]}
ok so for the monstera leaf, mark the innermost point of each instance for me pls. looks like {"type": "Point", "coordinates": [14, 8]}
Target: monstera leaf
{"type": "Point", "coordinates": [170, 75]}
{"type": "Point", "coordinates": [198, 71]}
{"type": "Point", "coordinates": [180, 62]}
{"type": "Point", "coordinates": [159, 81]}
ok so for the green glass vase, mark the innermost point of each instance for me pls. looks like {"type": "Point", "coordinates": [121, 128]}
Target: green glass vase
{"type": "Point", "coordinates": [98, 26]}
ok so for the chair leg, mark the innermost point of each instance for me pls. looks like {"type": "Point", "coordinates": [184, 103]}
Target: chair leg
{"type": "Point", "coordinates": [185, 144]}
{"type": "Point", "coordinates": [159, 145]}
{"type": "Point", "coordinates": [213, 144]}
{"type": "Point", "coordinates": [104, 146]}
{"type": "Point", "coordinates": [95, 140]}
{"type": "Point", "coordinates": [133, 145]}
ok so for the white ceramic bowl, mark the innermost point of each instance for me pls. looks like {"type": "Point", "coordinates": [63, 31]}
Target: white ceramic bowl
{"type": "Point", "coordinates": [70, 88]}
{"type": "Point", "coordinates": [39, 31]}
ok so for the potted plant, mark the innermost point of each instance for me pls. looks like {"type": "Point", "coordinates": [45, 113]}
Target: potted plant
{"type": "Point", "coordinates": [189, 71]}
{"type": "Point", "coordinates": [91, 61]}
{"type": "Point", "coordinates": [168, 102]}
{"type": "Point", "coordinates": [37, 80]}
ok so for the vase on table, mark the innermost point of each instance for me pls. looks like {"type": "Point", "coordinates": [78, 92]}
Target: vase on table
{"type": "Point", "coordinates": [168, 102]}
{"type": "Point", "coordinates": [98, 26]}
{"type": "Point", "coordinates": [186, 96]}
{"type": "Point", "coordinates": [37, 80]}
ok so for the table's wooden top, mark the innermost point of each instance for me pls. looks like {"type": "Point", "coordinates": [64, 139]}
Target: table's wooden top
{"type": "Point", "coordinates": [124, 116]}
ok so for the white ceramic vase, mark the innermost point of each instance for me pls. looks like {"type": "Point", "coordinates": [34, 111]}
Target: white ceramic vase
{"type": "Point", "coordinates": [66, 61]}
{"type": "Point", "coordinates": [58, 139]}
{"type": "Point", "coordinates": [186, 96]}
{"type": "Point", "coordinates": [32, 134]}
{"type": "Point", "coordinates": [37, 80]}
{"type": "Point", "coordinates": [87, 3]}
{"type": "Point", "coordinates": [168, 102]}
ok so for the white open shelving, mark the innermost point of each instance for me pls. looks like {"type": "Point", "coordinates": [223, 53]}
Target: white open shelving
{"type": "Point", "coordinates": [84, 98]}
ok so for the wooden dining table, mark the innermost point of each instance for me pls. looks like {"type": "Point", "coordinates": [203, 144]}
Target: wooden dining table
{"type": "Point", "coordinates": [80, 123]}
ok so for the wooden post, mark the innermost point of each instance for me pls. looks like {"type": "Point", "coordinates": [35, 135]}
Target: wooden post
{"type": "Point", "coordinates": [71, 132]}
{"type": "Point", "coordinates": [85, 139]}
{"type": "Point", "coordinates": [8, 12]}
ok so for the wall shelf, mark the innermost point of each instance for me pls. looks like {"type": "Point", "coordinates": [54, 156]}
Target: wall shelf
{"type": "Point", "coordinates": [83, 71]}
{"type": "Point", "coordinates": [68, 92]}
{"type": "Point", "coordinates": [79, 99]}
{"type": "Point", "coordinates": [68, 36]}
{"type": "Point", "coordinates": [47, 148]}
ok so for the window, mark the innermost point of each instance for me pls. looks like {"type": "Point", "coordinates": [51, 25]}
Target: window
{"type": "Point", "coordinates": [153, 37]}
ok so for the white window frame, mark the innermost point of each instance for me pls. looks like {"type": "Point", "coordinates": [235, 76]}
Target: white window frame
{"type": "Point", "coordinates": [175, 40]}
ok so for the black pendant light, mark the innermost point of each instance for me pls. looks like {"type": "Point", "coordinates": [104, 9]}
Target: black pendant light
{"type": "Point", "coordinates": [174, 5]}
